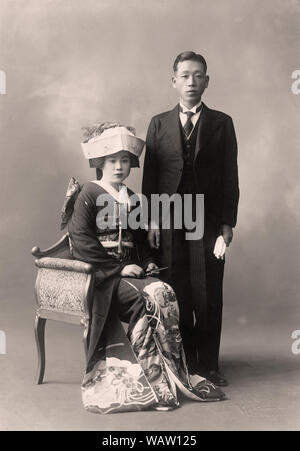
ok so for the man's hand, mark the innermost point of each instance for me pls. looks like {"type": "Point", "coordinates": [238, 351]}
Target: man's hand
{"type": "Point", "coordinates": [132, 271]}
{"type": "Point", "coordinates": [154, 238]}
{"type": "Point", "coordinates": [227, 233]}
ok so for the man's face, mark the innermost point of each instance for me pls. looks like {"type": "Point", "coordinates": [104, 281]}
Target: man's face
{"type": "Point", "coordinates": [190, 80]}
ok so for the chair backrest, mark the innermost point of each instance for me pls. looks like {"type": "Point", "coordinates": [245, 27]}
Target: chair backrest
{"type": "Point", "coordinates": [61, 249]}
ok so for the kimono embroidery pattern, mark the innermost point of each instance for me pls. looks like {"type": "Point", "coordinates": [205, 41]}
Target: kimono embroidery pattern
{"type": "Point", "coordinates": [116, 384]}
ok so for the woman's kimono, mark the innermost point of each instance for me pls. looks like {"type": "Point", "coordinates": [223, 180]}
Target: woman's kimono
{"type": "Point", "coordinates": [145, 367]}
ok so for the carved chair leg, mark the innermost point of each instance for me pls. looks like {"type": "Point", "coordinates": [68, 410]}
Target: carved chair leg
{"type": "Point", "coordinates": [39, 330]}
{"type": "Point", "coordinates": [85, 339]}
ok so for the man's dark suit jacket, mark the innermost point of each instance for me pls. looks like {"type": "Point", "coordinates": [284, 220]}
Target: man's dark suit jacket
{"type": "Point", "coordinates": [216, 176]}
{"type": "Point", "coordinates": [215, 163]}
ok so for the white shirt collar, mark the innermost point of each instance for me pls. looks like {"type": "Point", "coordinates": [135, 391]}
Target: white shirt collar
{"type": "Point", "coordinates": [193, 110]}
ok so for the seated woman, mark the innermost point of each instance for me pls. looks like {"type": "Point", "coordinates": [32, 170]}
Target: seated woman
{"type": "Point", "coordinates": [145, 368]}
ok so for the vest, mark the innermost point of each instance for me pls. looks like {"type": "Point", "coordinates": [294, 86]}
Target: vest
{"type": "Point", "coordinates": [187, 183]}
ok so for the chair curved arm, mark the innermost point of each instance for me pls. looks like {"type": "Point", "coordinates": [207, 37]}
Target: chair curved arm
{"type": "Point", "coordinates": [62, 243]}
{"type": "Point", "coordinates": [64, 264]}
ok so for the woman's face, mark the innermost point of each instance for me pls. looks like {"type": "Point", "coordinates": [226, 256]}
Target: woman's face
{"type": "Point", "coordinates": [116, 167]}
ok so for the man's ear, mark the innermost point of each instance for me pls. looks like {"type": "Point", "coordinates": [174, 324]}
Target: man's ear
{"type": "Point", "coordinates": [207, 80]}
{"type": "Point", "coordinates": [174, 81]}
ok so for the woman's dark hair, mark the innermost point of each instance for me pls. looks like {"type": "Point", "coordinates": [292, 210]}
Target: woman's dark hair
{"type": "Point", "coordinates": [189, 56]}
{"type": "Point", "coordinates": [99, 173]}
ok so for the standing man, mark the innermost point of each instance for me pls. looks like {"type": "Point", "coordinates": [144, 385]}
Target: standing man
{"type": "Point", "coordinates": [192, 149]}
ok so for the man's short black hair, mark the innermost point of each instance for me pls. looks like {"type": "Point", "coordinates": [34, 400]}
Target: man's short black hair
{"type": "Point", "coordinates": [192, 56]}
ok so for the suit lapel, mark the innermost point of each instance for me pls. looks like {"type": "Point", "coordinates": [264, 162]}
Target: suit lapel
{"type": "Point", "coordinates": [172, 128]}
{"type": "Point", "coordinates": [204, 130]}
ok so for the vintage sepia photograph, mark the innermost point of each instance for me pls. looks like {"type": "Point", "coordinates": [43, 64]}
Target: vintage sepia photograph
{"type": "Point", "coordinates": [150, 256]}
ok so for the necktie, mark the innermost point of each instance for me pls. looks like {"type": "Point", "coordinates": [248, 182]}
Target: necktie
{"type": "Point", "coordinates": [188, 126]}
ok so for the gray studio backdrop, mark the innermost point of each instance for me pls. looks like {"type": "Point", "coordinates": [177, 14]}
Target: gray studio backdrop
{"type": "Point", "coordinates": [69, 63]}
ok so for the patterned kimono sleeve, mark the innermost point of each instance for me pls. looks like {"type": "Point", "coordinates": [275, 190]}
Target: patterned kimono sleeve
{"type": "Point", "coordinates": [86, 246]}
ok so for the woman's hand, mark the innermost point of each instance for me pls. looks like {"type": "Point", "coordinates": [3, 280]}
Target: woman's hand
{"type": "Point", "coordinates": [151, 267]}
{"type": "Point", "coordinates": [132, 271]}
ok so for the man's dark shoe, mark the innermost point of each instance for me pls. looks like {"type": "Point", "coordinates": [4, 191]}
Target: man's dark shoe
{"type": "Point", "coordinates": [208, 392]}
{"type": "Point", "coordinates": [216, 378]}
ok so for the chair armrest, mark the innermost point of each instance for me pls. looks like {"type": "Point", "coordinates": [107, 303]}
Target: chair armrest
{"type": "Point", "coordinates": [64, 264]}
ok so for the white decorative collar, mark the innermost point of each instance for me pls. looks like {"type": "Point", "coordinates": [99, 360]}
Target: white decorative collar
{"type": "Point", "coordinates": [120, 196]}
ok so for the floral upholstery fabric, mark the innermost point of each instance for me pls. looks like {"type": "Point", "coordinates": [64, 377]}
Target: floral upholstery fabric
{"type": "Point", "coordinates": [61, 290]}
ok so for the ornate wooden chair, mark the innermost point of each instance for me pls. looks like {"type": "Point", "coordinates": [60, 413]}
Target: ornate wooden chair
{"type": "Point", "coordinates": [63, 292]}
